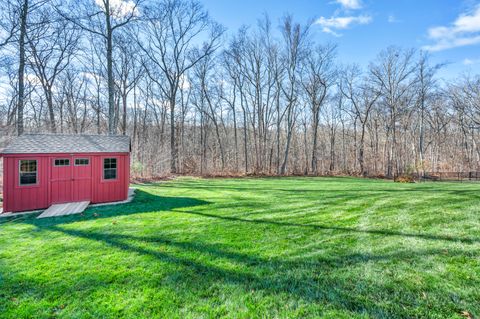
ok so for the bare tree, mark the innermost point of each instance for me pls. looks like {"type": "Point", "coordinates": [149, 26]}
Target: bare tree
{"type": "Point", "coordinates": [295, 39]}
{"type": "Point", "coordinates": [52, 46]}
{"type": "Point", "coordinates": [172, 29]}
{"type": "Point", "coordinates": [128, 70]}
{"type": "Point", "coordinates": [425, 86]}
{"type": "Point", "coordinates": [362, 98]}
{"type": "Point", "coordinates": [103, 18]}
{"type": "Point", "coordinates": [393, 76]}
{"type": "Point", "coordinates": [209, 93]}
{"type": "Point", "coordinates": [234, 64]}
{"type": "Point", "coordinates": [318, 77]}
{"type": "Point", "coordinates": [465, 96]}
{"type": "Point", "coordinates": [14, 26]}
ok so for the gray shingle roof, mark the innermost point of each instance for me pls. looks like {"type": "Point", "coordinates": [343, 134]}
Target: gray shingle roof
{"type": "Point", "coordinates": [68, 143]}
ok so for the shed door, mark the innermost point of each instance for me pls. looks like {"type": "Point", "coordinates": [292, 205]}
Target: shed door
{"type": "Point", "coordinates": [61, 179]}
{"type": "Point", "coordinates": [82, 178]}
{"type": "Point", "coordinates": [70, 179]}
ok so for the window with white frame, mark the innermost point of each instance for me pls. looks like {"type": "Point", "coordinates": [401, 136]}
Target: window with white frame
{"type": "Point", "coordinates": [62, 162]}
{"type": "Point", "coordinates": [28, 172]}
{"type": "Point", "coordinates": [81, 162]}
{"type": "Point", "coordinates": [109, 168]}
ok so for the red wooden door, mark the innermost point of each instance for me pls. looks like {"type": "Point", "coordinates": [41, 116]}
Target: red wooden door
{"type": "Point", "coordinates": [61, 179]}
{"type": "Point", "coordinates": [82, 178]}
{"type": "Point", "coordinates": [70, 179]}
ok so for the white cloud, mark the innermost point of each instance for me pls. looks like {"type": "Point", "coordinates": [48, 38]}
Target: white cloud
{"type": "Point", "coordinates": [392, 19]}
{"type": "Point", "coordinates": [4, 88]}
{"type": "Point", "coordinates": [184, 83]}
{"type": "Point", "coordinates": [330, 25]}
{"type": "Point", "coordinates": [350, 4]}
{"type": "Point", "coordinates": [32, 78]}
{"type": "Point", "coordinates": [92, 77]}
{"type": "Point", "coordinates": [119, 8]}
{"type": "Point", "coordinates": [330, 31]}
{"type": "Point", "coordinates": [471, 61]}
{"type": "Point", "coordinates": [465, 30]}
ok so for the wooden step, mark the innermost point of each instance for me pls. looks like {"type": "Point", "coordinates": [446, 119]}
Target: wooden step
{"type": "Point", "coordinates": [64, 209]}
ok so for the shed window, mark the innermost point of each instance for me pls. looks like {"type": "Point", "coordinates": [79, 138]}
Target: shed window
{"type": "Point", "coordinates": [81, 162]}
{"type": "Point", "coordinates": [109, 168]}
{"type": "Point", "coordinates": [28, 172]}
{"type": "Point", "coordinates": [62, 162]}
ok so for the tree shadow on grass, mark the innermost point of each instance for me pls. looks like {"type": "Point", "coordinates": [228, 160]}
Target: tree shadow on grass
{"type": "Point", "coordinates": [311, 279]}
{"type": "Point", "coordinates": [383, 232]}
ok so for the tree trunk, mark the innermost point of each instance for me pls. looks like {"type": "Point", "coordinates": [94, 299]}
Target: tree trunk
{"type": "Point", "coordinates": [283, 169]}
{"type": "Point", "coordinates": [421, 145]}
{"type": "Point", "coordinates": [49, 95]}
{"type": "Point", "coordinates": [173, 147]}
{"type": "Point", "coordinates": [361, 161]}
{"type": "Point", "coordinates": [124, 113]}
{"type": "Point", "coordinates": [315, 142]}
{"type": "Point", "coordinates": [245, 133]}
{"type": "Point", "coordinates": [21, 68]}
{"type": "Point", "coordinates": [111, 92]}
{"type": "Point", "coordinates": [236, 139]}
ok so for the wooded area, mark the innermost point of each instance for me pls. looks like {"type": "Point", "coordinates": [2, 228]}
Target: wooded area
{"type": "Point", "coordinates": [267, 100]}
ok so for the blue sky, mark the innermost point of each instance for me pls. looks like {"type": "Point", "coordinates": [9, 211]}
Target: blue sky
{"type": "Point", "coordinates": [449, 29]}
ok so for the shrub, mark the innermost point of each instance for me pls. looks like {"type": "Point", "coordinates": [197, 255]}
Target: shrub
{"type": "Point", "coordinates": [137, 168]}
{"type": "Point", "coordinates": [405, 179]}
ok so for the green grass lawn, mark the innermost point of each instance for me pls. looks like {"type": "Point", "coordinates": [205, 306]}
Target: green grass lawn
{"type": "Point", "coordinates": [248, 248]}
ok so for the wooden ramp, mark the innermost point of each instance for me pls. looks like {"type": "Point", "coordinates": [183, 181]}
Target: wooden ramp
{"type": "Point", "coordinates": [64, 209]}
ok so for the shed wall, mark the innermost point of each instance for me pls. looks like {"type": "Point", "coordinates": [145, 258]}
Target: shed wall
{"type": "Point", "coordinates": [22, 198]}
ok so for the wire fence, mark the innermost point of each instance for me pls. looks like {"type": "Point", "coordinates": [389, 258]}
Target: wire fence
{"type": "Point", "coordinates": [473, 176]}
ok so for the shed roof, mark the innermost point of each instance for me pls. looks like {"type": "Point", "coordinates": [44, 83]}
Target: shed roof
{"type": "Point", "coordinates": [68, 143]}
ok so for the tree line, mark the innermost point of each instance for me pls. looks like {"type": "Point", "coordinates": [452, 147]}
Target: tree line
{"type": "Point", "coordinates": [268, 99]}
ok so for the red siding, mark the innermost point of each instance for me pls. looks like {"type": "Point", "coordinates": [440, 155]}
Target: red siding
{"type": "Point", "coordinates": [63, 184]}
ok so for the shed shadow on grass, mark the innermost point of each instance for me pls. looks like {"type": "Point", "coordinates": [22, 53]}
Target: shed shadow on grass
{"type": "Point", "coordinates": [143, 202]}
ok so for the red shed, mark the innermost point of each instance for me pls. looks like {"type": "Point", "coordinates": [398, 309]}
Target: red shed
{"type": "Point", "coordinates": [44, 169]}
